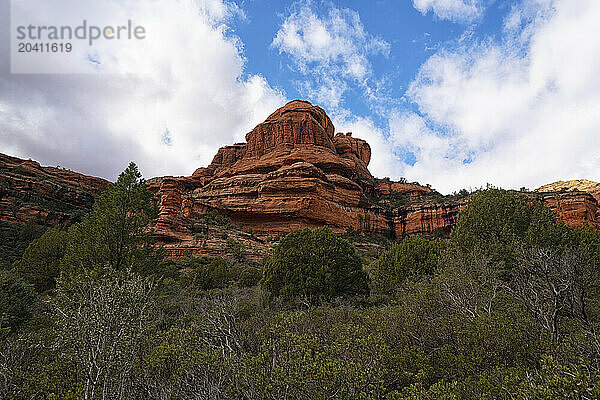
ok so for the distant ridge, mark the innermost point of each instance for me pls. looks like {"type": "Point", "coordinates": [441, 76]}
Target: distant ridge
{"type": "Point", "coordinates": [583, 185]}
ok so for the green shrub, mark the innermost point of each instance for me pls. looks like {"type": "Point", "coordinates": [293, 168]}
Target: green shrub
{"type": "Point", "coordinates": [213, 275]}
{"type": "Point", "coordinates": [412, 257]}
{"type": "Point", "coordinates": [315, 264]}
{"type": "Point", "coordinates": [500, 223]}
{"type": "Point", "coordinates": [40, 264]}
{"type": "Point", "coordinates": [14, 239]}
{"type": "Point", "coordinates": [16, 300]}
{"type": "Point", "coordinates": [249, 276]}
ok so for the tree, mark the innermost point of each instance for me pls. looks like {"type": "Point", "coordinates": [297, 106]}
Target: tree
{"type": "Point", "coordinates": [469, 281]}
{"type": "Point", "coordinates": [102, 323]}
{"type": "Point", "coordinates": [16, 300]}
{"type": "Point", "coordinates": [112, 235]}
{"type": "Point", "coordinates": [14, 239]}
{"type": "Point", "coordinates": [412, 257]}
{"type": "Point", "coordinates": [315, 264]}
{"type": "Point", "coordinates": [40, 264]}
{"type": "Point", "coordinates": [500, 223]}
{"type": "Point", "coordinates": [551, 286]}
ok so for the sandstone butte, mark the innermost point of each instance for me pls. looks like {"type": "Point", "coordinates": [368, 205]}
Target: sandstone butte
{"type": "Point", "coordinates": [293, 172]}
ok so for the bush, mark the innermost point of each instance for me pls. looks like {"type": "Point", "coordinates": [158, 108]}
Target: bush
{"type": "Point", "coordinates": [16, 300]}
{"type": "Point", "coordinates": [40, 264]}
{"type": "Point", "coordinates": [14, 239]}
{"type": "Point", "coordinates": [213, 275]}
{"type": "Point", "coordinates": [501, 223]}
{"type": "Point", "coordinates": [315, 264]}
{"type": "Point", "coordinates": [413, 257]}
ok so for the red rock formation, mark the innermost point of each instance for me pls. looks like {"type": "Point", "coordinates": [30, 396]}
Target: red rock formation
{"type": "Point", "coordinates": [295, 173]}
{"type": "Point", "coordinates": [44, 195]}
{"type": "Point", "coordinates": [575, 208]}
{"type": "Point", "coordinates": [411, 190]}
{"type": "Point", "coordinates": [295, 124]}
{"type": "Point", "coordinates": [292, 173]}
{"type": "Point", "coordinates": [426, 218]}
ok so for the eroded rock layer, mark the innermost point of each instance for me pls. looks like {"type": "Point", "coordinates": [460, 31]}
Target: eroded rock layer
{"type": "Point", "coordinates": [296, 172]}
{"type": "Point", "coordinates": [293, 172]}
{"type": "Point", "coordinates": [44, 195]}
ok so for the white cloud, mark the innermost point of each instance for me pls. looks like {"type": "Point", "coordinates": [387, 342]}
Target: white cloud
{"type": "Point", "coordinates": [383, 161]}
{"type": "Point", "coordinates": [523, 112]}
{"type": "Point", "coordinates": [186, 78]}
{"type": "Point", "coordinates": [332, 51]}
{"type": "Point", "coordinates": [453, 10]}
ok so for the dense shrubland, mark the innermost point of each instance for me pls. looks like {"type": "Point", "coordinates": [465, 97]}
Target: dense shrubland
{"type": "Point", "coordinates": [506, 307]}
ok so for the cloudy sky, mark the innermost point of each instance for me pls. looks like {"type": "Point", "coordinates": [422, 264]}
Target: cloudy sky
{"type": "Point", "coordinates": [455, 93]}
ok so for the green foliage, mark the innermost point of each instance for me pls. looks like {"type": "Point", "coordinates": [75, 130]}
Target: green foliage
{"type": "Point", "coordinates": [16, 301]}
{"type": "Point", "coordinates": [214, 218]}
{"type": "Point", "coordinates": [507, 308]}
{"type": "Point", "coordinates": [314, 264]}
{"type": "Point", "coordinates": [14, 239]}
{"type": "Point", "coordinates": [249, 276]}
{"type": "Point", "coordinates": [236, 249]}
{"type": "Point", "coordinates": [213, 275]}
{"type": "Point", "coordinates": [112, 235]}
{"type": "Point", "coordinates": [101, 325]}
{"type": "Point", "coordinates": [500, 223]}
{"type": "Point", "coordinates": [203, 273]}
{"type": "Point", "coordinates": [414, 257]}
{"type": "Point", "coordinates": [40, 264]}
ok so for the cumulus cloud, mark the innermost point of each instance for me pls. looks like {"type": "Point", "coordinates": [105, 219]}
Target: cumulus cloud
{"type": "Point", "coordinates": [454, 10]}
{"type": "Point", "coordinates": [384, 163]}
{"type": "Point", "coordinates": [522, 112]}
{"type": "Point", "coordinates": [331, 50]}
{"type": "Point", "coordinates": [166, 102]}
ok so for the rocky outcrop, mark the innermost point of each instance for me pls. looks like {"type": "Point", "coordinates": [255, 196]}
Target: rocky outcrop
{"type": "Point", "coordinates": [44, 195]}
{"type": "Point", "coordinates": [293, 172]}
{"type": "Point", "coordinates": [429, 218]}
{"type": "Point", "coordinates": [581, 185]}
{"type": "Point", "coordinates": [576, 202]}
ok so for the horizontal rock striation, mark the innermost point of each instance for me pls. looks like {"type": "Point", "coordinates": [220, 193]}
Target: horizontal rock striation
{"type": "Point", "coordinates": [293, 172]}
{"type": "Point", "coordinates": [44, 195]}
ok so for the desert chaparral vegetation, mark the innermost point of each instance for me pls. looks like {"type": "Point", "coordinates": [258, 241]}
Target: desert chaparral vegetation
{"type": "Point", "coordinates": [506, 307]}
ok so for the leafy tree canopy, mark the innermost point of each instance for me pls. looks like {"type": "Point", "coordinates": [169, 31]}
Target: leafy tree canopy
{"type": "Point", "coordinates": [40, 264]}
{"type": "Point", "coordinates": [315, 264]}
{"type": "Point", "coordinates": [112, 235]}
{"type": "Point", "coordinates": [16, 300]}
{"type": "Point", "coordinates": [412, 257]}
{"type": "Point", "coordinates": [501, 222]}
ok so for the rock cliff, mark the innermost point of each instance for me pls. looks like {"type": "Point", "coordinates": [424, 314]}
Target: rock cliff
{"type": "Point", "coordinates": [44, 195]}
{"type": "Point", "coordinates": [293, 171]}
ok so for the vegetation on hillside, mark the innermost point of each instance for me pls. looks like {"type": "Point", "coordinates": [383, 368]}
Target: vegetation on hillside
{"type": "Point", "coordinates": [507, 307]}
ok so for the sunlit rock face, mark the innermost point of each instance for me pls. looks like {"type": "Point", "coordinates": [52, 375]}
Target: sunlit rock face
{"type": "Point", "coordinates": [293, 172]}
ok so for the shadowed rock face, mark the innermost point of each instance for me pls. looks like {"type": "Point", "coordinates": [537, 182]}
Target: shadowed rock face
{"type": "Point", "coordinates": [44, 195]}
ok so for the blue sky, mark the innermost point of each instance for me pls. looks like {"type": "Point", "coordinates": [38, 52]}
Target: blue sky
{"type": "Point", "coordinates": [413, 37]}
{"type": "Point", "coordinates": [454, 93]}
